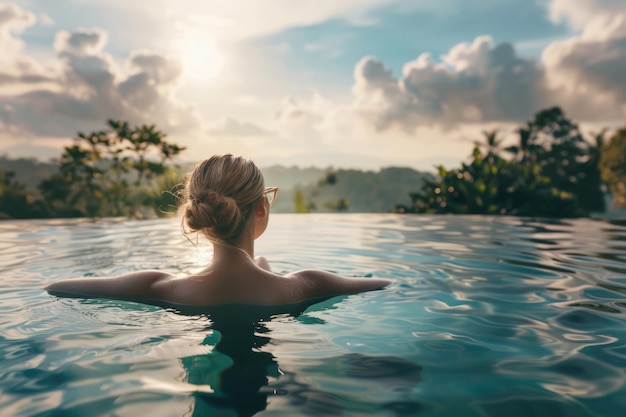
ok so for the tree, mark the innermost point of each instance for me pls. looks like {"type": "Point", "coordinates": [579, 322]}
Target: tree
{"type": "Point", "coordinates": [300, 202]}
{"type": "Point", "coordinates": [553, 172]}
{"type": "Point", "coordinates": [101, 173]}
{"type": "Point", "coordinates": [571, 163]}
{"type": "Point", "coordinates": [341, 204]}
{"type": "Point", "coordinates": [491, 144]}
{"type": "Point", "coordinates": [613, 166]}
{"type": "Point", "coordinates": [164, 195]}
{"type": "Point", "coordinates": [14, 200]}
{"type": "Point", "coordinates": [487, 185]}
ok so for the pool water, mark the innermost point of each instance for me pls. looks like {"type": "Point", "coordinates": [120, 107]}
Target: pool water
{"type": "Point", "coordinates": [486, 316]}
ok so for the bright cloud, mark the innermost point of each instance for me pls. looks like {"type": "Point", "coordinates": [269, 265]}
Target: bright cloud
{"type": "Point", "coordinates": [236, 19]}
{"type": "Point", "coordinates": [578, 13]}
{"type": "Point", "coordinates": [13, 20]}
{"type": "Point", "coordinates": [476, 82]}
{"type": "Point", "coordinates": [85, 87]}
{"type": "Point", "coordinates": [232, 127]}
{"type": "Point", "coordinates": [16, 69]}
{"type": "Point", "coordinates": [589, 68]}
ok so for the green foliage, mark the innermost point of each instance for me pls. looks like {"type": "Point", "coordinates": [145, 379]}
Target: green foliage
{"type": "Point", "coordinates": [553, 172]}
{"type": "Point", "coordinates": [109, 172]}
{"type": "Point", "coordinates": [301, 205]}
{"type": "Point", "coordinates": [341, 204]}
{"type": "Point", "coordinates": [163, 195]}
{"type": "Point", "coordinates": [613, 166]}
{"type": "Point", "coordinates": [329, 179]}
{"type": "Point", "coordinates": [15, 202]}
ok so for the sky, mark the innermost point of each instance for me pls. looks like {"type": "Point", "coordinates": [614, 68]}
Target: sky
{"type": "Point", "coordinates": [349, 84]}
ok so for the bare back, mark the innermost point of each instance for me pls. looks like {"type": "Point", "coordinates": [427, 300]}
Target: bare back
{"type": "Point", "coordinates": [258, 286]}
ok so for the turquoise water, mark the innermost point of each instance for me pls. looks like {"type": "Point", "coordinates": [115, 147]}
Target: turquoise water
{"type": "Point", "coordinates": [487, 316]}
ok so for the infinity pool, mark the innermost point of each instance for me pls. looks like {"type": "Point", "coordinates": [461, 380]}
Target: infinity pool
{"type": "Point", "coordinates": [487, 316]}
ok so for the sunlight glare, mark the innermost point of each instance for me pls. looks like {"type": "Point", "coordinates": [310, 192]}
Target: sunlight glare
{"type": "Point", "coordinates": [200, 59]}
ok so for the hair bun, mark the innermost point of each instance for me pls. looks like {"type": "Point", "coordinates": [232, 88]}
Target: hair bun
{"type": "Point", "coordinates": [219, 196]}
{"type": "Point", "coordinates": [218, 215]}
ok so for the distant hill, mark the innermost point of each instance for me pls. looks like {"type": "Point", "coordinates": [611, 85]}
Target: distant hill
{"type": "Point", "coordinates": [28, 171]}
{"type": "Point", "coordinates": [287, 178]}
{"type": "Point", "coordinates": [366, 191]}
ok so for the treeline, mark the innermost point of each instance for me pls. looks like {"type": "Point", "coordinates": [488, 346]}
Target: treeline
{"type": "Point", "coordinates": [119, 171]}
{"type": "Point", "coordinates": [301, 190]}
{"type": "Point", "coordinates": [552, 171]}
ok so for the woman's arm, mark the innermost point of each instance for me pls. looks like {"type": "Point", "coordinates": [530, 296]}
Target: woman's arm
{"type": "Point", "coordinates": [319, 284]}
{"type": "Point", "coordinates": [137, 285]}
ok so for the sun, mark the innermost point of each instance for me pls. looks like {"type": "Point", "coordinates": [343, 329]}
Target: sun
{"type": "Point", "coordinates": [201, 60]}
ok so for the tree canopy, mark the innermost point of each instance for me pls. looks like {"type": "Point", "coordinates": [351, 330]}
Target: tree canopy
{"type": "Point", "coordinates": [552, 171]}
{"type": "Point", "coordinates": [120, 171]}
{"type": "Point", "coordinates": [613, 166]}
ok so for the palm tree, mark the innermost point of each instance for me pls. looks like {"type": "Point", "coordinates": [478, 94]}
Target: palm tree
{"type": "Point", "coordinates": [492, 143]}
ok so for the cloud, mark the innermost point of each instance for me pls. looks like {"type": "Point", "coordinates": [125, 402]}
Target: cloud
{"type": "Point", "coordinates": [296, 111]}
{"type": "Point", "coordinates": [483, 82]}
{"type": "Point", "coordinates": [81, 42]}
{"type": "Point", "coordinates": [476, 82]}
{"type": "Point", "coordinates": [578, 13]}
{"type": "Point", "coordinates": [246, 19]}
{"type": "Point", "coordinates": [157, 67]}
{"type": "Point", "coordinates": [14, 68]}
{"type": "Point", "coordinates": [85, 86]}
{"type": "Point", "coordinates": [232, 127]}
{"type": "Point", "coordinates": [13, 20]}
{"type": "Point", "coordinates": [588, 69]}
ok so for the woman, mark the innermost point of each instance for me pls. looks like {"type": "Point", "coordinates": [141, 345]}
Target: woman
{"type": "Point", "coordinates": [225, 200]}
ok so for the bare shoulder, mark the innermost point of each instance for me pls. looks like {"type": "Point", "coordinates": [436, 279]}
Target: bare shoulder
{"type": "Point", "coordinates": [317, 283]}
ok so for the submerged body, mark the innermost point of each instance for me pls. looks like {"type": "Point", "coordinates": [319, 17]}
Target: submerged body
{"type": "Point", "coordinates": [226, 202]}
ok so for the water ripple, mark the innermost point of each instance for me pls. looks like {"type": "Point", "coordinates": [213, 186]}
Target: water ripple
{"type": "Point", "coordinates": [487, 316]}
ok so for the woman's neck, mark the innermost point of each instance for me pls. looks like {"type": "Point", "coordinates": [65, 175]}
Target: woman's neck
{"type": "Point", "coordinates": [230, 251]}
{"type": "Point", "coordinates": [243, 245]}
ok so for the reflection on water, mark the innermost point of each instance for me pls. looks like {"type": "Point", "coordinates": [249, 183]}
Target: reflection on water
{"type": "Point", "coordinates": [487, 316]}
{"type": "Point", "coordinates": [240, 371]}
{"type": "Point", "coordinates": [237, 377]}
{"type": "Point", "coordinates": [242, 376]}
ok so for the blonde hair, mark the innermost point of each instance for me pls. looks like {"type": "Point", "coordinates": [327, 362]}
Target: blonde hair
{"type": "Point", "coordinates": [219, 195]}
